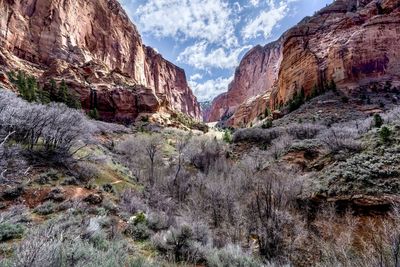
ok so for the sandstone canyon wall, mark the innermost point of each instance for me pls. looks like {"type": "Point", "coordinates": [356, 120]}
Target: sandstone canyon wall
{"type": "Point", "coordinates": [93, 45]}
{"type": "Point", "coordinates": [353, 43]}
{"type": "Point", "coordinates": [256, 72]}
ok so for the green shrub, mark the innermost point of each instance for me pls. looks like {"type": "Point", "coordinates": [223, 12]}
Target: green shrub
{"type": "Point", "coordinates": [378, 121]}
{"type": "Point", "coordinates": [297, 101]}
{"type": "Point", "coordinates": [10, 231]}
{"type": "Point", "coordinates": [51, 175]}
{"type": "Point", "coordinates": [177, 244]}
{"type": "Point", "coordinates": [12, 193]}
{"type": "Point", "coordinates": [140, 218]}
{"type": "Point", "coordinates": [228, 136]}
{"type": "Point", "coordinates": [46, 208]}
{"type": "Point", "coordinates": [267, 124]}
{"type": "Point", "coordinates": [138, 228]}
{"type": "Point", "coordinates": [385, 134]}
{"type": "Point", "coordinates": [94, 114]}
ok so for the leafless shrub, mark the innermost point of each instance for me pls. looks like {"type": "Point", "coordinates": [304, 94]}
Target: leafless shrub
{"type": "Point", "coordinates": [392, 116]}
{"type": "Point", "coordinates": [131, 202]}
{"type": "Point", "coordinates": [361, 126]}
{"type": "Point", "coordinates": [230, 255]}
{"type": "Point", "coordinates": [85, 171]}
{"type": "Point", "coordinates": [54, 127]}
{"type": "Point", "coordinates": [142, 151]}
{"type": "Point", "coordinates": [257, 135]}
{"type": "Point", "coordinates": [304, 130]}
{"type": "Point", "coordinates": [205, 152]}
{"type": "Point", "coordinates": [279, 146]}
{"type": "Point", "coordinates": [269, 218]}
{"type": "Point", "coordinates": [338, 139]}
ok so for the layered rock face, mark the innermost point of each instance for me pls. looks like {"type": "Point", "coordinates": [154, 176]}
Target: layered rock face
{"type": "Point", "coordinates": [257, 72]}
{"type": "Point", "coordinates": [93, 45]}
{"type": "Point", "coordinates": [354, 43]}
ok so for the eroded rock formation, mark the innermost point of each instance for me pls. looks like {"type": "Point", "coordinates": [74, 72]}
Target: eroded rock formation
{"type": "Point", "coordinates": [93, 45]}
{"type": "Point", "coordinates": [354, 43]}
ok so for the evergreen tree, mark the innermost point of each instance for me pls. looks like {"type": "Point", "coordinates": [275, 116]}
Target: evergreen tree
{"type": "Point", "coordinates": [385, 134]}
{"type": "Point", "coordinates": [73, 102]}
{"type": "Point", "coordinates": [21, 84]}
{"type": "Point", "coordinates": [378, 121]}
{"type": "Point", "coordinates": [62, 95]}
{"type": "Point", "coordinates": [53, 90]}
{"type": "Point", "coordinates": [31, 89]}
{"type": "Point", "coordinates": [332, 86]}
{"type": "Point", "coordinates": [43, 96]}
{"type": "Point", "coordinates": [94, 114]}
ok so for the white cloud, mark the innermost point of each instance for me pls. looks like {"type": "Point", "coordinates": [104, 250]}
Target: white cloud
{"type": "Point", "coordinates": [196, 76]}
{"type": "Point", "coordinates": [210, 89]}
{"type": "Point", "coordinates": [254, 2]}
{"type": "Point", "coordinates": [199, 56]}
{"type": "Point", "coordinates": [209, 20]}
{"type": "Point", "coordinates": [266, 21]}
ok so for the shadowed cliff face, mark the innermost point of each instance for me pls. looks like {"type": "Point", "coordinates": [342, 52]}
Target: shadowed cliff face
{"type": "Point", "coordinates": [353, 43]}
{"type": "Point", "coordinates": [93, 46]}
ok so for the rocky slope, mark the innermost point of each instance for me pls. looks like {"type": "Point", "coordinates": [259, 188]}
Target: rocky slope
{"type": "Point", "coordinates": [98, 51]}
{"type": "Point", "coordinates": [353, 43]}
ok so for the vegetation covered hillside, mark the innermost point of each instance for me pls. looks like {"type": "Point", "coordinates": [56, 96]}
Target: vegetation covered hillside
{"type": "Point", "coordinates": [313, 189]}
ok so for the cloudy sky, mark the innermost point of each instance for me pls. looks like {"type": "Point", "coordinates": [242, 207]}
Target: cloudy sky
{"type": "Point", "coordinates": [209, 37]}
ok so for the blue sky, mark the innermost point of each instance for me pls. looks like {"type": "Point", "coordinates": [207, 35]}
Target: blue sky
{"type": "Point", "coordinates": [209, 37]}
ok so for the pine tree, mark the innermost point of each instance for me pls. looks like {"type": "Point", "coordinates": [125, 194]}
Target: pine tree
{"type": "Point", "coordinates": [31, 89]}
{"type": "Point", "coordinates": [53, 90]}
{"type": "Point", "coordinates": [43, 96]}
{"type": "Point", "coordinates": [21, 84]}
{"type": "Point", "coordinates": [62, 95]}
{"type": "Point", "coordinates": [378, 121]}
{"type": "Point", "coordinates": [73, 101]}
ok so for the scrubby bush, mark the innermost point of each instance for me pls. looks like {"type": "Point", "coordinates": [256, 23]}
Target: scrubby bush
{"type": "Point", "coordinates": [86, 171]}
{"type": "Point", "coordinates": [10, 231]}
{"type": "Point", "coordinates": [267, 124]}
{"type": "Point", "coordinates": [139, 231]}
{"type": "Point", "coordinates": [227, 136]}
{"type": "Point", "coordinates": [337, 139]}
{"type": "Point", "coordinates": [158, 221]}
{"type": "Point", "coordinates": [131, 202]}
{"type": "Point", "coordinates": [257, 135]}
{"type": "Point", "coordinates": [204, 152]}
{"type": "Point", "coordinates": [45, 208]}
{"type": "Point", "coordinates": [304, 130]}
{"type": "Point", "coordinates": [280, 146]}
{"type": "Point", "coordinates": [44, 178]}
{"type": "Point", "coordinates": [231, 255]}
{"type": "Point", "coordinates": [12, 193]}
{"type": "Point", "coordinates": [149, 147]}
{"type": "Point", "coordinates": [179, 244]}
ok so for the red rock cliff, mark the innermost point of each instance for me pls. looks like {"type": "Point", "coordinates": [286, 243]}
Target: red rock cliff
{"type": "Point", "coordinates": [256, 73]}
{"type": "Point", "coordinates": [93, 45]}
{"type": "Point", "coordinates": [353, 42]}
